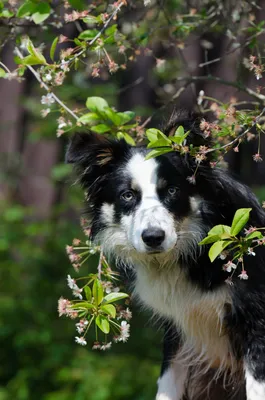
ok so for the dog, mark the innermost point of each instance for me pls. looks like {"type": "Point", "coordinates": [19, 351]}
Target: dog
{"type": "Point", "coordinates": [150, 217]}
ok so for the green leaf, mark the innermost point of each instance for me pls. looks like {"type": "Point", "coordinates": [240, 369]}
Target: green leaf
{"type": "Point", "coordinates": [179, 135]}
{"type": "Point", "coordinates": [217, 248]}
{"type": "Point", "coordinates": [155, 134]}
{"type": "Point", "coordinates": [125, 117]}
{"type": "Point", "coordinates": [96, 104]}
{"type": "Point", "coordinates": [111, 30]}
{"type": "Point", "coordinates": [152, 134]}
{"type": "Point", "coordinates": [88, 293]}
{"type": "Point", "coordinates": [2, 73]}
{"type": "Point", "coordinates": [30, 60]}
{"type": "Point", "coordinates": [27, 8]}
{"type": "Point", "coordinates": [162, 135]}
{"type": "Point", "coordinates": [101, 128]}
{"type": "Point", "coordinates": [111, 297]}
{"type": "Point", "coordinates": [179, 131]}
{"type": "Point", "coordinates": [89, 34]}
{"type": "Point", "coordinates": [41, 13]}
{"type": "Point", "coordinates": [109, 309]}
{"type": "Point", "coordinates": [97, 292]}
{"type": "Point", "coordinates": [34, 53]}
{"type": "Point", "coordinates": [77, 4]}
{"type": "Point", "coordinates": [112, 115]}
{"type": "Point", "coordinates": [7, 13]}
{"type": "Point", "coordinates": [89, 118]}
{"type": "Point", "coordinates": [129, 139]}
{"type": "Point", "coordinates": [219, 230]}
{"type": "Point", "coordinates": [126, 137]}
{"type": "Point", "coordinates": [158, 143]}
{"type": "Point", "coordinates": [209, 239]}
{"type": "Point", "coordinates": [53, 48]}
{"type": "Point", "coordinates": [240, 219]}
{"type": "Point", "coordinates": [128, 127]}
{"type": "Point", "coordinates": [254, 235]}
{"type": "Point", "coordinates": [179, 139]}
{"type": "Point", "coordinates": [83, 304]}
{"type": "Point", "coordinates": [157, 152]}
{"type": "Point", "coordinates": [90, 20]}
{"type": "Point", "coordinates": [103, 324]}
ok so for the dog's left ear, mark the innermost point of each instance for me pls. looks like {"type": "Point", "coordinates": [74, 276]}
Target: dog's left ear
{"type": "Point", "coordinates": [94, 155]}
{"type": "Point", "coordinates": [89, 149]}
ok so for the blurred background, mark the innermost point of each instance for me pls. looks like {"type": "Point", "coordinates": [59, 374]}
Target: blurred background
{"type": "Point", "coordinates": [40, 207]}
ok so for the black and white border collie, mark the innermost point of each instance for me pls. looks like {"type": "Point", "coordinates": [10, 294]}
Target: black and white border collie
{"type": "Point", "coordinates": [149, 217]}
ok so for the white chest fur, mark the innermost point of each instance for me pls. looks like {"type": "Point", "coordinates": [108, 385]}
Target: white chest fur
{"type": "Point", "coordinates": [197, 313]}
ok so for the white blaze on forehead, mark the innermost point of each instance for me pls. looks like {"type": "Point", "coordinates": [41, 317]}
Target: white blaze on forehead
{"type": "Point", "coordinates": [144, 174]}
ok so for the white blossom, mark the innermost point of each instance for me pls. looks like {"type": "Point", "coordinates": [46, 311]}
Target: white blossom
{"type": "Point", "coordinates": [106, 346]}
{"type": "Point", "coordinates": [48, 77]}
{"type": "Point", "coordinates": [96, 346]}
{"type": "Point", "coordinates": [77, 293]}
{"type": "Point", "coordinates": [81, 340]}
{"type": "Point", "coordinates": [251, 252]}
{"type": "Point", "coordinates": [229, 266]}
{"type": "Point", "coordinates": [48, 99]}
{"type": "Point", "coordinates": [45, 112]}
{"type": "Point", "coordinates": [243, 275]}
{"type": "Point", "coordinates": [71, 282]}
{"type": "Point", "coordinates": [125, 331]}
{"type": "Point", "coordinates": [126, 314]}
{"type": "Point", "coordinates": [64, 65]}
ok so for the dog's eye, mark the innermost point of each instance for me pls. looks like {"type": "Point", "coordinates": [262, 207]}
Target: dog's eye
{"type": "Point", "coordinates": [128, 195]}
{"type": "Point", "coordinates": [172, 190]}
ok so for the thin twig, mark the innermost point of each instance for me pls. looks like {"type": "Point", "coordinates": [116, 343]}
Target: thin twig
{"type": "Point", "coordinates": [146, 122]}
{"type": "Point", "coordinates": [131, 85]}
{"type": "Point", "coordinates": [5, 67]}
{"type": "Point", "coordinates": [239, 46]}
{"type": "Point", "coordinates": [46, 87]}
{"type": "Point", "coordinates": [236, 85]}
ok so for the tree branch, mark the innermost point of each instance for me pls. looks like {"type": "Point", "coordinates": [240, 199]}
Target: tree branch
{"type": "Point", "coordinates": [115, 12]}
{"type": "Point", "coordinates": [46, 87]}
{"type": "Point", "coordinates": [239, 136]}
{"type": "Point", "coordinates": [237, 85]}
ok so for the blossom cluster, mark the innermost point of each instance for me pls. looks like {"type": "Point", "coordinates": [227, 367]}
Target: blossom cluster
{"type": "Point", "coordinates": [97, 296]}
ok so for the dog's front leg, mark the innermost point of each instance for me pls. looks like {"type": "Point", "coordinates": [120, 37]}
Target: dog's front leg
{"type": "Point", "coordinates": [171, 384]}
{"type": "Point", "coordinates": [255, 383]}
{"type": "Point", "coordinates": [249, 309]}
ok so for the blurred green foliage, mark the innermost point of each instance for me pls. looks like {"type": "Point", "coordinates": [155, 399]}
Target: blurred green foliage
{"type": "Point", "coordinates": [39, 359]}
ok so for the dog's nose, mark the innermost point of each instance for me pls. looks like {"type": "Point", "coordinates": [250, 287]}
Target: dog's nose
{"type": "Point", "coordinates": [153, 237]}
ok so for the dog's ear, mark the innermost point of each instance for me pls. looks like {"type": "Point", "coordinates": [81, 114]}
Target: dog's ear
{"type": "Point", "coordinates": [94, 155]}
{"type": "Point", "coordinates": [192, 122]}
{"type": "Point", "coordinates": [90, 149]}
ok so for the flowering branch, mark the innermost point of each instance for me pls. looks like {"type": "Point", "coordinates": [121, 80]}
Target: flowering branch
{"type": "Point", "coordinates": [46, 87]}
{"type": "Point", "coordinates": [228, 145]}
{"type": "Point", "coordinates": [115, 12]}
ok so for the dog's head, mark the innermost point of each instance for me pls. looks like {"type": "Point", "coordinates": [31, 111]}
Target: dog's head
{"type": "Point", "coordinates": [136, 206]}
